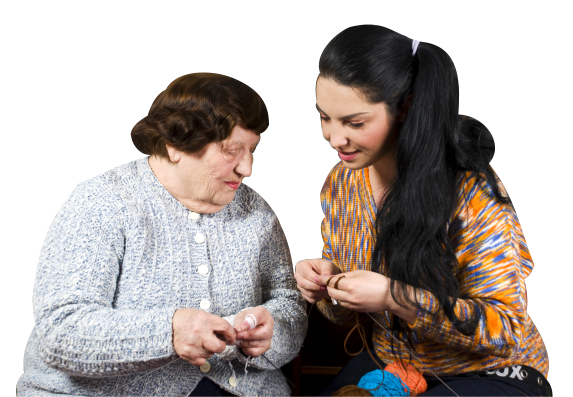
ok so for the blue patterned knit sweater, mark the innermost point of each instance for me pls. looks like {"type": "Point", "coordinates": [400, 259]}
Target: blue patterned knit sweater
{"type": "Point", "coordinates": [120, 257]}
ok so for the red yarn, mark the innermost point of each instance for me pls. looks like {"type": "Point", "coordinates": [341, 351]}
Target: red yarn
{"type": "Point", "coordinates": [409, 375]}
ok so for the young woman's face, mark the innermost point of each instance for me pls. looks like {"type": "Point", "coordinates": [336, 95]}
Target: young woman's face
{"type": "Point", "coordinates": [360, 131]}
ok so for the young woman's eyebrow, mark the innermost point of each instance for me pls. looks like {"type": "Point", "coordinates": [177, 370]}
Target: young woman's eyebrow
{"type": "Point", "coordinates": [341, 118]}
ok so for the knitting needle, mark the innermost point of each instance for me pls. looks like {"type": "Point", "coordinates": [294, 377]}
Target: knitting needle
{"type": "Point", "coordinates": [281, 372]}
{"type": "Point", "coordinates": [252, 323]}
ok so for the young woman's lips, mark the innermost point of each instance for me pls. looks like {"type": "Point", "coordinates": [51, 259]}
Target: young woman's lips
{"type": "Point", "coordinates": [233, 185]}
{"type": "Point", "coordinates": [347, 155]}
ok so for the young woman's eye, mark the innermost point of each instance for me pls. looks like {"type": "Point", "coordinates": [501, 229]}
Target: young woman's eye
{"type": "Point", "coordinates": [355, 126]}
{"type": "Point", "coordinates": [324, 118]}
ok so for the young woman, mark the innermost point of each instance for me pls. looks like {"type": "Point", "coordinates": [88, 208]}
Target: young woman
{"type": "Point", "coordinates": [418, 229]}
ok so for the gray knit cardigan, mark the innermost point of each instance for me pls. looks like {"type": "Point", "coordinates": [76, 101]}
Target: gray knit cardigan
{"type": "Point", "coordinates": [120, 257]}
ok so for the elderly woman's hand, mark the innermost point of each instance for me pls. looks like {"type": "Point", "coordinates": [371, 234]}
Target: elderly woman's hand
{"type": "Point", "coordinates": [257, 340]}
{"type": "Point", "coordinates": [306, 275]}
{"type": "Point", "coordinates": [197, 335]}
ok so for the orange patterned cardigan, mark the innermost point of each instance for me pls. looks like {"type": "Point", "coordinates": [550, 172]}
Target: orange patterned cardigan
{"type": "Point", "coordinates": [493, 263]}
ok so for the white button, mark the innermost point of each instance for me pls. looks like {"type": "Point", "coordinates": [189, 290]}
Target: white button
{"type": "Point", "coordinates": [233, 381]}
{"type": "Point", "coordinates": [199, 238]}
{"type": "Point", "coordinates": [205, 367]}
{"type": "Point", "coordinates": [193, 215]}
{"type": "Point", "coordinates": [203, 269]}
{"type": "Point", "coordinates": [205, 304]}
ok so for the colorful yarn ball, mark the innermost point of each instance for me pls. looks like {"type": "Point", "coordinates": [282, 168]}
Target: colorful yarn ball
{"type": "Point", "coordinates": [409, 375]}
{"type": "Point", "coordinates": [383, 383]}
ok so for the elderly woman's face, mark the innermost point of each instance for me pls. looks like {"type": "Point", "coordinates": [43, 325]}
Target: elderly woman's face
{"type": "Point", "coordinates": [213, 175]}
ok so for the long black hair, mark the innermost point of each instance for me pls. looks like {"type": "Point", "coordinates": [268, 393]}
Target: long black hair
{"type": "Point", "coordinates": [434, 144]}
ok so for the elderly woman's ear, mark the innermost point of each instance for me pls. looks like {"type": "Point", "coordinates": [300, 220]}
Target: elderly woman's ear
{"type": "Point", "coordinates": [174, 154]}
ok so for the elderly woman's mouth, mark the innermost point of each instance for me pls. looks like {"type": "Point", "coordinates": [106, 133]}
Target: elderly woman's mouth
{"type": "Point", "coordinates": [233, 185]}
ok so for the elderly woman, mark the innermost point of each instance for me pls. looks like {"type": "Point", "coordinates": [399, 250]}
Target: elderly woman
{"type": "Point", "coordinates": [167, 275]}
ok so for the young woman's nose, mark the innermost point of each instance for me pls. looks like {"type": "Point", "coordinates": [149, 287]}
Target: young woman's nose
{"type": "Point", "coordinates": [336, 138]}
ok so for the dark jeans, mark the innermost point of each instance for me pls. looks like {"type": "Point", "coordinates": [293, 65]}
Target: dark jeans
{"type": "Point", "coordinates": [206, 387]}
{"type": "Point", "coordinates": [463, 385]}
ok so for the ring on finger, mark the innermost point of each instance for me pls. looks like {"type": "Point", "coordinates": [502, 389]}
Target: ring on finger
{"type": "Point", "coordinates": [328, 281]}
{"type": "Point", "coordinates": [337, 281]}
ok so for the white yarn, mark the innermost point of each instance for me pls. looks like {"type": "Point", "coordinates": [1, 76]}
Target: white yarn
{"type": "Point", "coordinates": [231, 351]}
{"type": "Point", "coordinates": [245, 378]}
{"type": "Point", "coordinates": [252, 320]}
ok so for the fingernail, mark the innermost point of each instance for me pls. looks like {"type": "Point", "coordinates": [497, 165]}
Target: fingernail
{"type": "Point", "coordinates": [239, 336]}
{"type": "Point", "coordinates": [316, 279]}
{"type": "Point", "coordinates": [323, 288]}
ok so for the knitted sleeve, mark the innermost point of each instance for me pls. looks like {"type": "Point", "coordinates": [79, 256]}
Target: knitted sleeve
{"type": "Point", "coordinates": [280, 297]}
{"type": "Point", "coordinates": [335, 313]}
{"type": "Point", "coordinates": [80, 264]}
{"type": "Point", "coordinates": [493, 264]}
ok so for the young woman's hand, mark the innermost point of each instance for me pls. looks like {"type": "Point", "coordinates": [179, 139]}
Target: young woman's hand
{"type": "Point", "coordinates": [366, 291]}
{"type": "Point", "coordinates": [360, 290]}
{"type": "Point", "coordinates": [306, 273]}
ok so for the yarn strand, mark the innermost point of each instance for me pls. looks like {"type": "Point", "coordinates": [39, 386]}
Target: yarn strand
{"type": "Point", "coordinates": [245, 378]}
{"type": "Point", "coordinates": [362, 334]}
{"type": "Point", "coordinates": [413, 355]}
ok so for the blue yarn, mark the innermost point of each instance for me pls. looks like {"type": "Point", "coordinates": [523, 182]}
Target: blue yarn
{"type": "Point", "coordinates": [391, 384]}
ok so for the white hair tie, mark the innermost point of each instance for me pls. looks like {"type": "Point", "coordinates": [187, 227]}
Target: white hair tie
{"type": "Point", "coordinates": [415, 44]}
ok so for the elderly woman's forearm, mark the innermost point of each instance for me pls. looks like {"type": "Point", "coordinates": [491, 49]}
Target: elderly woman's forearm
{"type": "Point", "coordinates": [101, 342]}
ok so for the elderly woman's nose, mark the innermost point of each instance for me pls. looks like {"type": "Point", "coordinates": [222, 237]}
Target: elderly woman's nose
{"type": "Point", "coordinates": [245, 165]}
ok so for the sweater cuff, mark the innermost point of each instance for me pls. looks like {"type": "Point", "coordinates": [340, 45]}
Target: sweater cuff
{"type": "Point", "coordinates": [428, 308]}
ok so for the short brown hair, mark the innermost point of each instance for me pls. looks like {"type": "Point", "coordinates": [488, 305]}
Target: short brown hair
{"type": "Point", "coordinates": [197, 109]}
